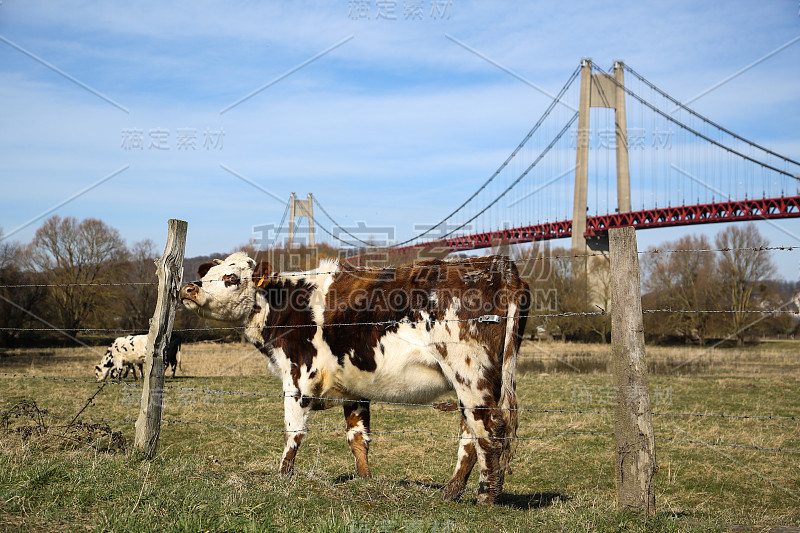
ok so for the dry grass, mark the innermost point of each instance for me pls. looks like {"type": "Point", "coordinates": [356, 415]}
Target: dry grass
{"type": "Point", "coordinates": [215, 477]}
{"type": "Point", "coordinates": [767, 358]}
{"type": "Point", "coordinates": [199, 359]}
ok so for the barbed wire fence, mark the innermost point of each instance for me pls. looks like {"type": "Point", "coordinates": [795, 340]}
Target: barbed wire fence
{"type": "Point", "coordinates": [442, 406]}
{"type": "Point", "coordinates": [347, 268]}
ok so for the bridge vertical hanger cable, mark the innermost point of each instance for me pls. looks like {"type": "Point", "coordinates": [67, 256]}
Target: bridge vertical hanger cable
{"type": "Point", "coordinates": [676, 152]}
{"type": "Point", "coordinates": [705, 137]}
{"type": "Point", "coordinates": [596, 159]}
{"type": "Point", "coordinates": [651, 158]}
{"type": "Point", "coordinates": [515, 182]}
{"type": "Point", "coordinates": [656, 167]}
{"type": "Point", "coordinates": [673, 157]}
{"type": "Point", "coordinates": [640, 180]}
{"type": "Point", "coordinates": [608, 169]}
{"type": "Point", "coordinates": [668, 169]}
{"type": "Point", "coordinates": [709, 121]}
{"type": "Point", "coordinates": [547, 112]}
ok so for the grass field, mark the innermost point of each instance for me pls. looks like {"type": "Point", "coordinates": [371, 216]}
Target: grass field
{"type": "Point", "coordinates": [218, 453]}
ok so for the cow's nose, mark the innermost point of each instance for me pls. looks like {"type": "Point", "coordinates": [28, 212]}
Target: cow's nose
{"type": "Point", "coordinates": [190, 290]}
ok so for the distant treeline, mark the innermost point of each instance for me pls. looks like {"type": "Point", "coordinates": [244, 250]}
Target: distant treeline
{"type": "Point", "coordinates": [80, 277]}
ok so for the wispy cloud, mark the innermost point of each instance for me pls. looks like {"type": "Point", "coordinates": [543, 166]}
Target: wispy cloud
{"type": "Point", "coordinates": [738, 73]}
{"type": "Point", "coordinates": [510, 72]}
{"type": "Point", "coordinates": [60, 72]}
{"type": "Point", "coordinates": [252, 183]}
{"type": "Point", "coordinates": [286, 74]}
{"type": "Point", "coordinates": [65, 201]}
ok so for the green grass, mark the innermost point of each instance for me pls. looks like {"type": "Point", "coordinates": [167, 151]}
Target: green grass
{"type": "Point", "coordinates": [222, 477]}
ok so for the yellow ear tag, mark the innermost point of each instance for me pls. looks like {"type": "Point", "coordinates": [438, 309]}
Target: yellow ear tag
{"type": "Point", "coordinates": [260, 282]}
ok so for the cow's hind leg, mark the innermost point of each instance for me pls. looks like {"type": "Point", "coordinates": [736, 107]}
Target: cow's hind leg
{"type": "Point", "coordinates": [466, 461]}
{"type": "Point", "coordinates": [488, 431]}
{"type": "Point", "coordinates": [295, 411]}
{"type": "Point", "coordinates": [356, 415]}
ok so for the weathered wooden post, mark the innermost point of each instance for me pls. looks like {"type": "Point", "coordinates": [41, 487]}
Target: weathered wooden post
{"type": "Point", "coordinates": [635, 464]}
{"type": "Point", "coordinates": [169, 270]}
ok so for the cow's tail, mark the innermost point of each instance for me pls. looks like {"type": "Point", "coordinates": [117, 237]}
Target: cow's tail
{"type": "Point", "coordinates": [519, 305]}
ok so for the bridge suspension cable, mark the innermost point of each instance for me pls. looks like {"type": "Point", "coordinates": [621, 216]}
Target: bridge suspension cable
{"type": "Point", "coordinates": [280, 226]}
{"type": "Point", "coordinates": [527, 137]}
{"type": "Point", "coordinates": [525, 173]}
{"type": "Point", "coordinates": [323, 228]}
{"type": "Point", "coordinates": [336, 224]}
{"type": "Point", "coordinates": [707, 120]}
{"type": "Point", "coordinates": [692, 130]}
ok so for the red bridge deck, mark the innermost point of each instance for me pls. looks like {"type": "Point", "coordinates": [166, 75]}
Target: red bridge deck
{"type": "Point", "coordinates": [598, 226]}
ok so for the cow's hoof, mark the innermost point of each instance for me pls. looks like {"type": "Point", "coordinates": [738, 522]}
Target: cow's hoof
{"type": "Point", "coordinates": [485, 499]}
{"type": "Point", "coordinates": [286, 473]}
{"type": "Point", "coordinates": [453, 491]}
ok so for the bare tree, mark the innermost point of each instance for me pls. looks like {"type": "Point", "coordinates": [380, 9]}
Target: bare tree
{"type": "Point", "coordinates": [557, 278]}
{"type": "Point", "coordinates": [599, 285]}
{"type": "Point", "coordinates": [8, 251]}
{"type": "Point", "coordinates": [743, 266]}
{"type": "Point", "coordinates": [18, 292]}
{"type": "Point", "coordinates": [138, 296]}
{"type": "Point", "coordinates": [73, 255]}
{"type": "Point", "coordinates": [682, 280]}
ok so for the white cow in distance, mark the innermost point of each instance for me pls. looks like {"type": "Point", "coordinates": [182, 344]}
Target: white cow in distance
{"type": "Point", "coordinates": [127, 353]}
{"type": "Point", "coordinates": [124, 353]}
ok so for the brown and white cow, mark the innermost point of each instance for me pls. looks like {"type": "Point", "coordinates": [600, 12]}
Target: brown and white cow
{"type": "Point", "coordinates": [337, 336]}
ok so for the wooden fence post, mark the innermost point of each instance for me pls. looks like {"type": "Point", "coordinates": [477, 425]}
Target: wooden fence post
{"type": "Point", "coordinates": [169, 270]}
{"type": "Point", "coordinates": [635, 461]}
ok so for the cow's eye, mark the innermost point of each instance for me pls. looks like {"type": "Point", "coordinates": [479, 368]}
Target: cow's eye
{"type": "Point", "coordinates": [231, 279]}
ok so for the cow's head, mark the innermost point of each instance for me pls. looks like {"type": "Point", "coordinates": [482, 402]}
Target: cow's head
{"type": "Point", "coordinates": [106, 363]}
{"type": "Point", "coordinates": [227, 288]}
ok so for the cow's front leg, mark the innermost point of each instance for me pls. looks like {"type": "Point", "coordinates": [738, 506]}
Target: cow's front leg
{"type": "Point", "coordinates": [295, 412]}
{"type": "Point", "coordinates": [464, 464]}
{"type": "Point", "coordinates": [356, 415]}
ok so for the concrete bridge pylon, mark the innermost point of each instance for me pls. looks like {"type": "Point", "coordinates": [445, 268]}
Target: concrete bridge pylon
{"type": "Point", "coordinates": [606, 91]}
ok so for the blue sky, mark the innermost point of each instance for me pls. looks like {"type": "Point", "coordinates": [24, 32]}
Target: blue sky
{"type": "Point", "coordinates": [394, 123]}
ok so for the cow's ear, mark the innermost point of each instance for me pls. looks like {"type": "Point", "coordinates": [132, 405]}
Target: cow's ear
{"type": "Point", "coordinates": [218, 261]}
{"type": "Point", "coordinates": [261, 274]}
{"type": "Point", "coordinates": [203, 269]}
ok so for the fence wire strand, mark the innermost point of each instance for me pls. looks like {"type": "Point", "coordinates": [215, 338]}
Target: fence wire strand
{"type": "Point", "coordinates": [445, 406]}
{"type": "Point", "coordinates": [392, 323]}
{"type": "Point", "coordinates": [418, 432]}
{"type": "Point", "coordinates": [439, 406]}
{"type": "Point", "coordinates": [355, 269]}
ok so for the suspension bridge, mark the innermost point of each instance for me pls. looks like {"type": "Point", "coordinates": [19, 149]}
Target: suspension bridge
{"type": "Point", "coordinates": [608, 130]}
